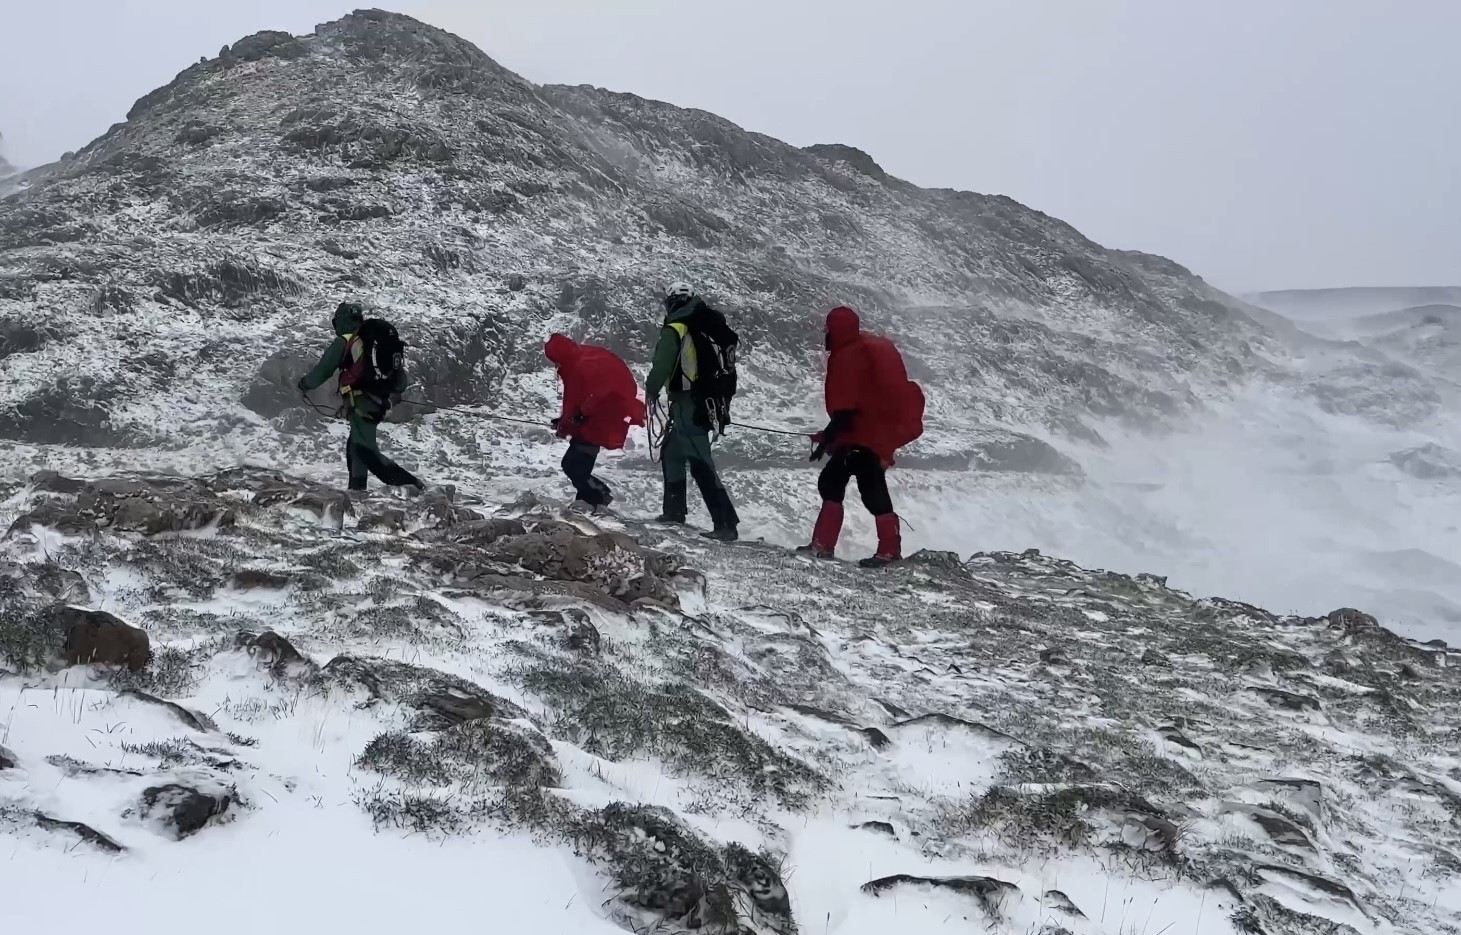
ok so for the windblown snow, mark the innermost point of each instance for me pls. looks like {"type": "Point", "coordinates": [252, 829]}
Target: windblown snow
{"type": "Point", "coordinates": [473, 710]}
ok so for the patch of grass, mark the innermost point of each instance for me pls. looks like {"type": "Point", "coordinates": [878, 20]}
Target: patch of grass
{"type": "Point", "coordinates": [28, 640]}
{"type": "Point", "coordinates": [423, 813]}
{"type": "Point", "coordinates": [1042, 765]}
{"type": "Point", "coordinates": [169, 673]}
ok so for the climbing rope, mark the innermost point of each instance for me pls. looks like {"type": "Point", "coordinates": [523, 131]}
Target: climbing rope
{"type": "Point", "coordinates": [773, 431]}
{"type": "Point", "coordinates": [656, 423]}
{"type": "Point", "coordinates": [325, 411]}
{"type": "Point", "coordinates": [656, 426]}
{"type": "Point", "coordinates": [478, 413]}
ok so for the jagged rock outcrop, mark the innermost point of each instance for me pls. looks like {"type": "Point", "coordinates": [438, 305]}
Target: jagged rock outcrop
{"type": "Point", "coordinates": [383, 158]}
{"type": "Point", "coordinates": [1011, 709]}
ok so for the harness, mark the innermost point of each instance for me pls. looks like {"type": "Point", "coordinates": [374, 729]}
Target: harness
{"type": "Point", "coordinates": [354, 350]}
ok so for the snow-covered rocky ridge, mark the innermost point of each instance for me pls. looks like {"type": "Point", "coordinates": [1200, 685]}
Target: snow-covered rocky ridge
{"type": "Point", "coordinates": [161, 290]}
{"type": "Point", "coordinates": [428, 712]}
{"type": "Point", "coordinates": [184, 260]}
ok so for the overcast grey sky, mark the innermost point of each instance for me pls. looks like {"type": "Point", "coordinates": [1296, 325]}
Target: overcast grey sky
{"type": "Point", "coordinates": [1264, 143]}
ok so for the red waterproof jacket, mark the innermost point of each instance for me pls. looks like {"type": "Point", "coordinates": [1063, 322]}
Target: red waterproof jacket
{"type": "Point", "coordinates": [866, 376]}
{"type": "Point", "coordinates": [598, 387]}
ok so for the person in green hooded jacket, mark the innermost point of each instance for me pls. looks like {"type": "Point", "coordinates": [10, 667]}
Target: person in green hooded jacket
{"type": "Point", "coordinates": [687, 435]}
{"type": "Point", "coordinates": [363, 410]}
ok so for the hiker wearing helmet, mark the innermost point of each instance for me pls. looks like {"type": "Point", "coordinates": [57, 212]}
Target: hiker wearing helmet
{"type": "Point", "coordinates": [874, 409]}
{"type": "Point", "coordinates": [691, 331]}
{"type": "Point", "coordinates": [600, 402]}
{"type": "Point", "coordinates": [367, 356]}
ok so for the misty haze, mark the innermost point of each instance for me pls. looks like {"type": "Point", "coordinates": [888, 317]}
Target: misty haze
{"type": "Point", "coordinates": [548, 471]}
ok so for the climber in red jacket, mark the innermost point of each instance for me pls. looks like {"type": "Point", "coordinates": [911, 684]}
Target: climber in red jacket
{"type": "Point", "coordinates": [600, 402]}
{"type": "Point", "coordinates": [874, 409]}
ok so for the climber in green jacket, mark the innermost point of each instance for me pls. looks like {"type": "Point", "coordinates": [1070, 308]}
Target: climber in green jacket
{"type": "Point", "coordinates": [365, 405]}
{"type": "Point", "coordinates": [687, 435]}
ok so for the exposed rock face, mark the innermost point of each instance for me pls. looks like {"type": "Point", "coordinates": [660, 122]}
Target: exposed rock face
{"type": "Point", "coordinates": [1012, 709]}
{"type": "Point", "coordinates": [665, 869]}
{"type": "Point", "coordinates": [341, 152]}
{"type": "Point", "coordinates": [1428, 462]}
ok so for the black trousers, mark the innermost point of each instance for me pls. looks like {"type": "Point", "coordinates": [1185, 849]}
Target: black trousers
{"type": "Point", "coordinates": [872, 479]}
{"type": "Point", "coordinates": [578, 464]}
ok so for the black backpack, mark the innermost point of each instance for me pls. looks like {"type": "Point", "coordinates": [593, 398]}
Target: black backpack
{"type": "Point", "coordinates": [382, 360]}
{"type": "Point", "coordinates": [715, 355]}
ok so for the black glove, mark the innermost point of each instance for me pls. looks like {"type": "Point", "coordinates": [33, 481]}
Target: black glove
{"type": "Point", "coordinates": [554, 423]}
{"type": "Point", "coordinates": [818, 453]}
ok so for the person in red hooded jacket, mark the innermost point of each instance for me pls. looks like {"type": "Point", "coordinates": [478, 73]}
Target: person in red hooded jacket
{"type": "Point", "coordinates": [872, 411]}
{"type": "Point", "coordinates": [600, 402]}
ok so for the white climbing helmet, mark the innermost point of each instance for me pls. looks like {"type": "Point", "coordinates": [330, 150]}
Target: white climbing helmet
{"type": "Point", "coordinates": [679, 290]}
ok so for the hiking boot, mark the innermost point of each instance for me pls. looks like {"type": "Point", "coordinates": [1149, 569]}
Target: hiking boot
{"type": "Point", "coordinates": [670, 520]}
{"type": "Point", "coordinates": [580, 506]}
{"type": "Point", "coordinates": [815, 552]}
{"type": "Point", "coordinates": [723, 534]}
{"type": "Point", "coordinates": [674, 507]}
{"type": "Point", "coordinates": [890, 542]}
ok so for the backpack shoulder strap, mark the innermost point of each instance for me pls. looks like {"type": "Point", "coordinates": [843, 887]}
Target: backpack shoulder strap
{"type": "Point", "coordinates": [688, 360]}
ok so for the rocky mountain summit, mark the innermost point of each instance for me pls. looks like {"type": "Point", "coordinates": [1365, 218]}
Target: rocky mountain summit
{"type": "Point", "coordinates": [210, 660]}
{"type": "Point", "coordinates": [724, 740]}
{"type": "Point", "coordinates": [158, 289]}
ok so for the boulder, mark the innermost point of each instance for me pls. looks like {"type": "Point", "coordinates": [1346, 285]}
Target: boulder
{"type": "Point", "coordinates": [85, 832]}
{"type": "Point", "coordinates": [611, 561]}
{"type": "Point", "coordinates": [988, 892]}
{"type": "Point", "coordinates": [95, 637]}
{"type": "Point", "coordinates": [484, 531]}
{"type": "Point", "coordinates": [273, 389]}
{"type": "Point", "coordinates": [1060, 902]}
{"type": "Point", "coordinates": [193, 719]}
{"type": "Point", "coordinates": [1352, 621]}
{"type": "Point", "coordinates": [273, 652]}
{"type": "Point", "coordinates": [181, 809]}
{"type": "Point", "coordinates": [665, 870]}
{"type": "Point", "coordinates": [578, 634]}
{"type": "Point", "coordinates": [1289, 701]}
{"type": "Point", "coordinates": [7, 759]}
{"type": "Point", "coordinates": [1153, 658]}
{"type": "Point", "coordinates": [439, 699]}
{"type": "Point", "coordinates": [252, 579]}
{"type": "Point", "coordinates": [148, 506]}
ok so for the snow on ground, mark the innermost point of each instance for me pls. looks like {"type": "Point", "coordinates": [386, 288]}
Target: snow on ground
{"type": "Point", "coordinates": [484, 726]}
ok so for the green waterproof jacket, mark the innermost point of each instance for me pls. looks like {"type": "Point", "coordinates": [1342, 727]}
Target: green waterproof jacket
{"type": "Point", "coordinates": [340, 354]}
{"type": "Point", "coordinates": [666, 365]}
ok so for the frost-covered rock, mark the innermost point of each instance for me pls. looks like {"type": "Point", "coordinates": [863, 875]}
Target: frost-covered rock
{"type": "Point", "coordinates": [183, 810]}
{"type": "Point", "coordinates": [984, 732]}
{"type": "Point", "coordinates": [383, 159]}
